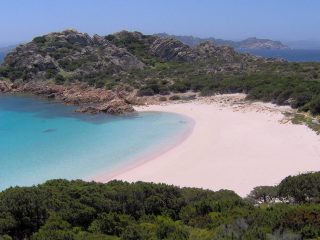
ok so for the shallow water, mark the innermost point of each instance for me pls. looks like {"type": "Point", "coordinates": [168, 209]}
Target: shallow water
{"type": "Point", "coordinates": [41, 140]}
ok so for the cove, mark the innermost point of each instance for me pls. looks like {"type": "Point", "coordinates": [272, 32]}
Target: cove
{"type": "Point", "coordinates": [42, 140]}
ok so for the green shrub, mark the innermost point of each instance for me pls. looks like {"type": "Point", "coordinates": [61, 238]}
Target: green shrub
{"type": "Point", "coordinates": [54, 229]}
{"type": "Point", "coordinates": [188, 97]}
{"type": "Point", "coordinates": [5, 237]}
{"type": "Point", "coordinates": [111, 223]}
{"type": "Point", "coordinates": [40, 40]}
{"type": "Point", "coordinates": [133, 232]}
{"type": "Point", "coordinates": [50, 73]}
{"type": "Point", "coordinates": [146, 92]}
{"type": "Point", "coordinates": [100, 84]}
{"type": "Point", "coordinates": [4, 71]}
{"type": "Point", "coordinates": [171, 230]}
{"type": "Point", "coordinates": [174, 98]}
{"type": "Point", "coordinates": [180, 87]}
{"type": "Point", "coordinates": [163, 90]}
{"type": "Point", "coordinates": [302, 188]}
{"type": "Point", "coordinates": [59, 79]}
{"type": "Point", "coordinates": [301, 99]}
{"type": "Point", "coordinates": [314, 105]}
{"type": "Point", "coordinates": [163, 99]}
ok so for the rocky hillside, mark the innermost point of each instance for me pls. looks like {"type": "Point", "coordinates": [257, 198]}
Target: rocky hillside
{"type": "Point", "coordinates": [127, 68]}
{"type": "Point", "coordinates": [171, 49]}
{"type": "Point", "coordinates": [249, 43]}
{"type": "Point", "coordinates": [70, 56]}
{"type": "Point", "coordinates": [147, 47]}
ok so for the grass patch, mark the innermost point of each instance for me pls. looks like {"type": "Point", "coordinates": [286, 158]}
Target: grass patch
{"type": "Point", "coordinates": [306, 120]}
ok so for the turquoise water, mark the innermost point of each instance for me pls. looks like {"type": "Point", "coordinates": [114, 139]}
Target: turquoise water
{"type": "Point", "coordinates": [41, 140]}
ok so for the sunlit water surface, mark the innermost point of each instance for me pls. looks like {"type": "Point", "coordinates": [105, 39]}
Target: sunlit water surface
{"type": "Point", "coordinates": [41, 140]}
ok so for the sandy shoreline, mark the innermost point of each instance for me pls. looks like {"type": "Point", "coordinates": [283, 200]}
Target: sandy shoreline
{"type": "Point", "coordinates": [232, 146]}
{"type": "Point", "coordinates": [114, 173]}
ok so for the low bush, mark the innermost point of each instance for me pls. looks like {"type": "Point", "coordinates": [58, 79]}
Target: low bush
{"type": "Point", "coordinates": [162, 99]}
{"type": "Point", "coordinates": [59, 79]}
{"type": "Point", "coordinates": [146, 92]}
{"type": "Point", "coordinates": [175, 98]}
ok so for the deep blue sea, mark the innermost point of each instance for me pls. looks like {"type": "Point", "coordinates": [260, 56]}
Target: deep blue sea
{"type": "Point", "coordinates": [41, 140]}
{"type": "Point", "coordinates": [292, 55]}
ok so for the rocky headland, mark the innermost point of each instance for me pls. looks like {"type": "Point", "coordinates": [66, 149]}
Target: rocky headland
{"type": "Point", "coordinates": [68, 66]}
{"type": "Point", "coordinates": [89, 99]}
{"type": "Point", "coordinates": [110, 74]}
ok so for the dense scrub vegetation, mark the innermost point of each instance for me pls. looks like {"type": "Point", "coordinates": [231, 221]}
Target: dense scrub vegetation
{"type": "Point", "coordinates": [294, 84]}
{"type": "Point", "coordinates": [67, 210]}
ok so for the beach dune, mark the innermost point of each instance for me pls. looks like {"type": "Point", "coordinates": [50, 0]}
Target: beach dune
{"type": "Point", "coordinates": [231, 149]}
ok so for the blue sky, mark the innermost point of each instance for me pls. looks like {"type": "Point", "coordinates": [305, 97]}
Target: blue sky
{"type": "Point", "coordinates": [21, 20]}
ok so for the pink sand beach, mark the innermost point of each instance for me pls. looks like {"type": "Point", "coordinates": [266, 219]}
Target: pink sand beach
{"type": "Point", "coordinates": [234, 147]}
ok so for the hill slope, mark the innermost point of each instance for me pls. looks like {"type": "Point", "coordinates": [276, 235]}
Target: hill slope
{"type": "Point", "coordinates": [77, 56]}
{"type": "Point", "coordinates": [130, 68]}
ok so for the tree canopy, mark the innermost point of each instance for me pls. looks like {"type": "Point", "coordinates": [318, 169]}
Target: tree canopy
{"type": "Point", "coordinates": [76, 210]}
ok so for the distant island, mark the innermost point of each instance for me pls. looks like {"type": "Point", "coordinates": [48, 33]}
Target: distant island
{"type": "Point", "coordinates": [249, 43]}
